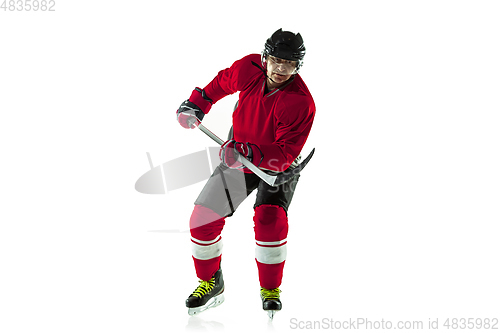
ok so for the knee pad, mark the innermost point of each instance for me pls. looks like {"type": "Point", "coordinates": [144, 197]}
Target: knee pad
{"type": "Point", "coordinates": [271, 223]}
{"type": "Point", "coordinates": [205, 224]}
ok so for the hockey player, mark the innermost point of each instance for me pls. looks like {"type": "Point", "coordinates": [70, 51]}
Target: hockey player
{"type": "Point", "coordinates": [271, 123]}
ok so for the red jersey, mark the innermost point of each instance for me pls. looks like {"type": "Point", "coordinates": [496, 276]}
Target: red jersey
{"type": "Point", "coordinates": [278, 122]}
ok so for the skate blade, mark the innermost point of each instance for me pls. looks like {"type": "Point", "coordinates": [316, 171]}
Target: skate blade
{"type": "Point", "coordinates": [214, 302]}
{"type": "Point", "coordinates": [271, 313]}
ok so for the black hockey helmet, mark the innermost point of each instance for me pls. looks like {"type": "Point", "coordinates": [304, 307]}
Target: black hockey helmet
{"type": "Point", "coordinates": [285, 45]}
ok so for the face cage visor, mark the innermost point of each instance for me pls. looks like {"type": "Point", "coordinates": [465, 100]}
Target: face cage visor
{"type": "Point", "coordinates": [281, 66]}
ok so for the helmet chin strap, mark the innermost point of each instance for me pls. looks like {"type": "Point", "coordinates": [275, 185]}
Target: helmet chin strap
{"type": "Point", "coordinates": [263, 71]}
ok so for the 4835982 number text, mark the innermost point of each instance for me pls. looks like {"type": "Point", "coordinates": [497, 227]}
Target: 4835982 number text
{"type": "Point", "coordinates": [28, 5]}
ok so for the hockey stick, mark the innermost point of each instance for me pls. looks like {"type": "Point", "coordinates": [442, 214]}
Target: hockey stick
{"type": "Point", "coordinates": [275, 180]}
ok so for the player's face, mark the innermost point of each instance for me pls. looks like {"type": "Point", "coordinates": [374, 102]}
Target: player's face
{"type": "Point", "coordinates": [280, 70]}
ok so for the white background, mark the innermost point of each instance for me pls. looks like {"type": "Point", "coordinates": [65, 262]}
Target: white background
{"type": "Point", "coordinates": [395, 218]}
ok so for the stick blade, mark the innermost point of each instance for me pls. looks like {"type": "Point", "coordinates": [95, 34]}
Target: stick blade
{"type": "Point", "coordinates": [286, 176]}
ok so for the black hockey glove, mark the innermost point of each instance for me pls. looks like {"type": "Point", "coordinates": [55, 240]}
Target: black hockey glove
{"type": "Point", "coordinates": [191, 112]}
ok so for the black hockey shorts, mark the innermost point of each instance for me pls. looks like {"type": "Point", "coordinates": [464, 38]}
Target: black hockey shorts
{"type": "Point", "coordinates": [227, 188]}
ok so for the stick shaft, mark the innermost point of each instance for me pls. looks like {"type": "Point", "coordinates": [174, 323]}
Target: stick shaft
{"type": "Point", "coordinates": [210, 134]}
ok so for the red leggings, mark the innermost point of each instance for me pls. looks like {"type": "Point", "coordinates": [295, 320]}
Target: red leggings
{"type": "Point", "coordinates": [271, 229]}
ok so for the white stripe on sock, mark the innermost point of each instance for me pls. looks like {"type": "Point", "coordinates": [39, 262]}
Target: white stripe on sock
{"type": "Point", "coordinates": [270, 255]}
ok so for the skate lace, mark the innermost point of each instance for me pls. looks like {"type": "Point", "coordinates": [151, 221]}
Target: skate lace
{"type": "Point", "coordinates": [270, 293]}
{"type": "Point", "coordinates": [204, 287]}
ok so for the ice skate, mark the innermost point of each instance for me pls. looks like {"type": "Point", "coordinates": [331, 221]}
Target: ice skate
{"type": "Point", "coordinates": [209, 294]}
{"type": "Point", "coordinates": [270, 301]}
